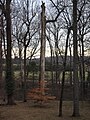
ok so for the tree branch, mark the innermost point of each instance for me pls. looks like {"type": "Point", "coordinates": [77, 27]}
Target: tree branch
{"type": "Point", "coordinates": [47, 21]}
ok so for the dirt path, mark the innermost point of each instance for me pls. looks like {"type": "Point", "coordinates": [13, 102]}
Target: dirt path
{"type": "Point", "coordinates": [49, 111]}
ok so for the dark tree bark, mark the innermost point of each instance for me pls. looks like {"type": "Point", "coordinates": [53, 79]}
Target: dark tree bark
{"type": "Point", "coordinates": [75, 65]}
{"type": "Point", "coordinates": [51, 66]}
{"type": "Point", "coordinates": [20, 64]}
{"type": "Point", "coordinates": [9, 73]}
{"type": "Point", "coordinates": [1, 52]}
{"type": "Point", "coordinates": [63, 75]}
{"type": "Point", "coordinates": [24, 75]}
{"type": "Point", "coordinates": [83, 67]}
{"type": "Point", "coordinates": [70, 66]}
{"type": "Point", "coordinates": [56, 53]}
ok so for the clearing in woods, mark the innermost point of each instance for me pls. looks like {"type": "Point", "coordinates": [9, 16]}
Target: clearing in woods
{"type": "Point", "coordinates": [47, 111]}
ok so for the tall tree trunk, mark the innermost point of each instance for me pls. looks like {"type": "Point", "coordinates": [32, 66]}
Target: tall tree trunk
{"type": "Point", "coordinates": [0, 52]}
{"type": "Point", "coordinates": [56, 53]}
{"type": "Point", "coordinates": [42, 52]}
{"type": "Point", "coordinates": [81, 71]}
{"type": "Point", "coordinates": [75, 63]}
{"type": "Point", "coordinates": [24, 85]}
{"type": "Point", "coordinates": [51, 66]}
{"type": "Point", "coordinates": [70, 66]}
{"type": "Point", "coordinates": [21, 70]}
{"type": "Point", "coordinates": [83, 66]}
{"type": "Point", "coordinates": [9, 73]}
{"type": "Point", "coordinates": [63, 75]}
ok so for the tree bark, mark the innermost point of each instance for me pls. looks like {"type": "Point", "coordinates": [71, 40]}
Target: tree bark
{"type": "Point", "coordinates": [75, 63]}
{"type": "Point", "coordinates": [51, 66]}
{"type": "Point", "coordinates": [0, 52]}
{"type": "Point", "coordinates": [43, 42]}
{"type": "Point", "coordinates": [24, 85]}
{"type": "Point", "coordinates": [83, 67]}
{"type": "Point", "coordinates": [9, 73]}
{"type": "Point", "coordinates": [20, 64]}
{"type": "Point", "coordinates": [63, 75]}
{"type": "Point", "coordinates": [70, 66]}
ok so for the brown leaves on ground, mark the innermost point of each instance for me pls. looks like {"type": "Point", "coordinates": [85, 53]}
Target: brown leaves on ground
{"type": "Point", "coordinates": [46, 111]}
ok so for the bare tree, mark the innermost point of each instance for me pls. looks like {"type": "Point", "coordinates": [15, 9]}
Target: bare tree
{"type": "Point", "coordinates": [75, 61]}
{"type": "Point", "coordinates": [29, 30]}
{"type": "Point", "coordinates": [1, 51]}
{"type": "Point", "coordinates": [25, 32]}
{"type": "Point", "coordinates": [42, 50]}
{"type": "Point", "coordinates": [6, 10]}
{"type": "Point", "coordinates": [84, 30]}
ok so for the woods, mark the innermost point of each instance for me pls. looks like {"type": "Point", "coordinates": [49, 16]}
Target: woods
{"type": "Point", "coordinates": [45, 41]}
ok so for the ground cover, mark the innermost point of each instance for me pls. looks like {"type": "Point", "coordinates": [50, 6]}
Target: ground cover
{"type": "Point", "coordinates": [47, 111]}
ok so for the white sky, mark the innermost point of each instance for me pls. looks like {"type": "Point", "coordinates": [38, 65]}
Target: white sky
{"type": "Point", "coordinates": [46, 1]}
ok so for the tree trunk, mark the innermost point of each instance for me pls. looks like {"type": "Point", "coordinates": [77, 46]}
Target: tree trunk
{"type": "Point", "coordinates": [83, 67]}
{"type": "Point", "coordinates": [63, 75]}
{"type": "Point", "coordinates": [21, 70]}
{"type": "Point", "coordinates": [0, 52]}
{"type": "Point", "coordinates": [56, 53]}
{"type": "Point", "coordinates": [42, 51]}
{"type": "Point", "coordinates": [24, 85]}
{"type": "Point", "coordinates": [70, 66]}
{"type": "Point", "coordinates": [9, 73]}
{"type": "Point", "coordinates": [51, 66]}
{"type": "Point", "coordinates": [75, 63]}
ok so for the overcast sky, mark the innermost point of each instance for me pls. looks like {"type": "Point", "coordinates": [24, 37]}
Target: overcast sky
{"type": "Point", "coordinates": [46, 1]}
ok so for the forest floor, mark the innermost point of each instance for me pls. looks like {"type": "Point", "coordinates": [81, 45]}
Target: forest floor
{"type": "Point", "coordinates": [47, 111]}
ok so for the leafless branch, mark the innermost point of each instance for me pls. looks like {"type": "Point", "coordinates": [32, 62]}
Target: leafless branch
{"type": "Point", "coordinates": [47, 21]}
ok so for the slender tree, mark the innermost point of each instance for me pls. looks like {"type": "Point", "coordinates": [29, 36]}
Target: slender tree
{"type": "Point", "coordinates": [43, 42]}
{"type": "Point", "coordinates": [6, 10]}
{"type": "Point", "coordinates": [9, 73]}
{"type": "Point", "coordinates": [63, 75]}
{"type": "Point", "coordinates": [1, 51]}
{"type": "Point", "coordinates": [75, 61]}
